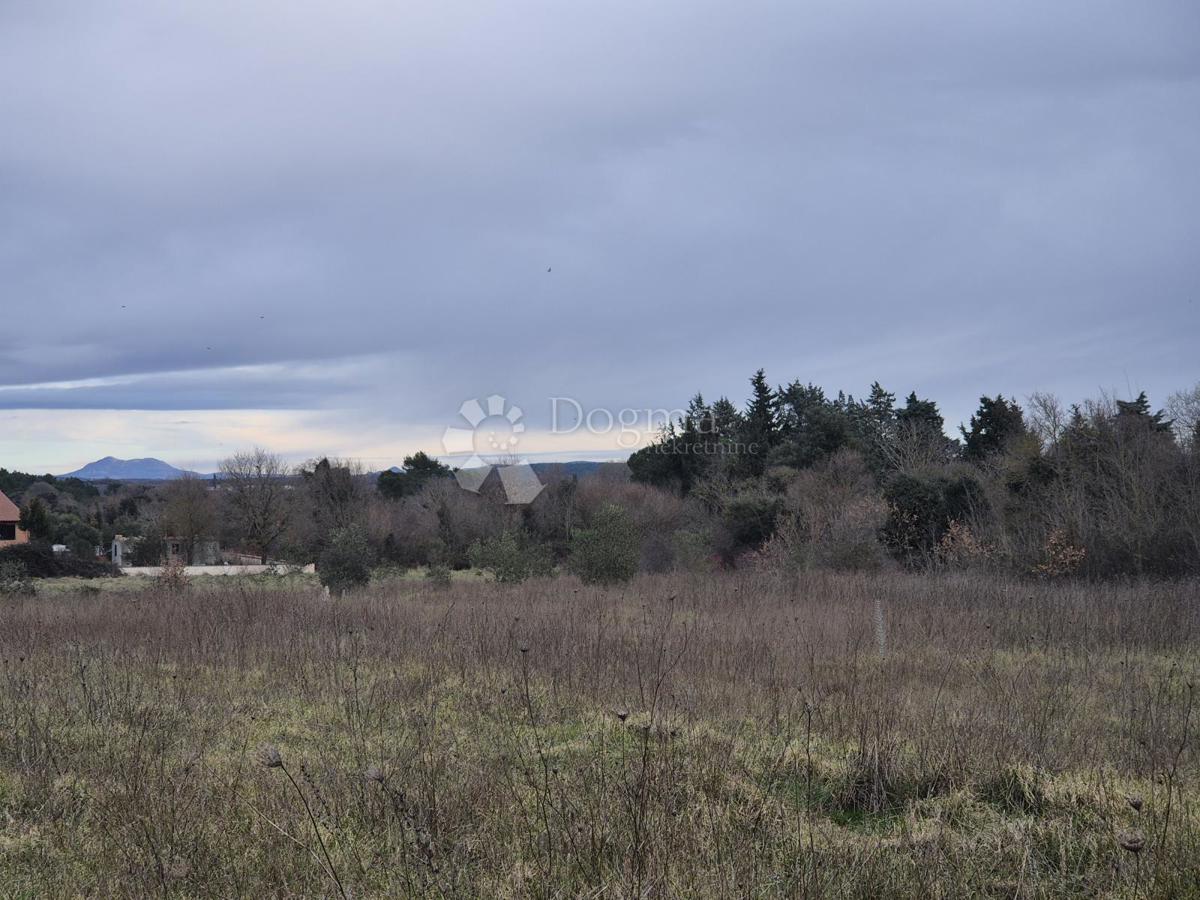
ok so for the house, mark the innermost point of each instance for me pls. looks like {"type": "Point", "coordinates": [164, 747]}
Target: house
{"type": "Point", "coordinates": [10, 533]}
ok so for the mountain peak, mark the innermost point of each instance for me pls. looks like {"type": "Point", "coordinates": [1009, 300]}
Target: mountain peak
{"type": "Point", "coordinates": [111, 468]}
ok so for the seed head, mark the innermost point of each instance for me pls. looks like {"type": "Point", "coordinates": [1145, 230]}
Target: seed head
{"type": "Point", "coordinates": [1132, 840]}
{"type": "Point", "coordinates": [374, 773]}
{"type": "Point", "coordinates": [268, 755]}
{"type": "Point", "coordinates": [179, 868]}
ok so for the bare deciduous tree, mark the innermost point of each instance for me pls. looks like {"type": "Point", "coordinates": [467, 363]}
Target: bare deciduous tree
{"type": "Point", "coordinates": [189, 513]}
{"type": "Point", "coordinates": [915, 448]}
{"type": "Point", "coordinates": [1183, 407]}
{"type": "Point", "coordinates": [1046, 417]}
{"type": "Point", "coordinates": [257, 497]}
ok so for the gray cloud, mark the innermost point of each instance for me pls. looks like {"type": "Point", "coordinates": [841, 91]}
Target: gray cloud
{"type": "Point", "coordinates": [354, 205]}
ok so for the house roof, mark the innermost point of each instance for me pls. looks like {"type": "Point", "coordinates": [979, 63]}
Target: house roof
{"type": "Point", "coordinates": [8, 509]}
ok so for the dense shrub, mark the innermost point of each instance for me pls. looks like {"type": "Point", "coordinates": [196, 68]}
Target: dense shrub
{"type": "Point", "coordinates": [404, 532]}
{"type": "Point", "coordinates": [461, 519]}
{"type": "Point", "coordinates": [836, 513]}
{"type": "Point", "coordinates": [607, 552]}
{"type": "Point", "coordinates": [692, 549]}
{"type": "Point", "coordinates": [748, 521]}
{"type": "Point", "coordinates": [438, 574]}
{"type": "Point", "coordinates": [42, 562]}
{"type": "Point", "coordinates": [922, 507]}
{"type": "Point", "coordinates": [511, 558]}
{"type": "Point", "coordinates": [173, 578]}
{"type": "Point", "coordinates": [14, 580]}
{"type": "Point", "coordinates": [346, 561]}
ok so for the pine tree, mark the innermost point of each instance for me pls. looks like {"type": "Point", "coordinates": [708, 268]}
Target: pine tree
{"type": "Point", "coordinates": [873, 426]}
{"type": "Point", "coordinates": [880, 405]}
{"type": "Point", "coordinates": [760, 427]}
{"type": "Point", "coordinates": [726, 419]}
{"type": "Point", "coordinates": [698, 418]}
{"type": "Point", "coordinates": [418, 470]}
{"type": "Point", "coordinates": [994, 426]}
{"type": "Point", "coordinates": [922, 415]}
{"type": "Point", "coordinates": [35, 519]}
{"type": "Point", "coordinates": [1137, 412]}
{"type": "Point", "coordinates": [811, 426]}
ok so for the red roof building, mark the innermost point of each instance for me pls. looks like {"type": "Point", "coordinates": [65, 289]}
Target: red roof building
{"type": "Point", "coordinates": [9, 516]}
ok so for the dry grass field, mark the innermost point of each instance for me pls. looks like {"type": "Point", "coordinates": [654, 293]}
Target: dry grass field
{"type": "Point", "coordinates": [733, 736]}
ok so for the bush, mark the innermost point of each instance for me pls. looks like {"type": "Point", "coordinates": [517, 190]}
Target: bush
{"type": "Point", "coordinates": [921, 508]}
{"type": "Point", "coordinates": [438, 574]}
{"type": "Point", "coordinates": [961, 548]}
{"type": "Point", "coordinates": [852, 542]}
{"type": "Point", "coordinates": [747, 522]}
{"type": "Point", "coordinates": [608, 552]}
{"type": "Point", "coordinates": [836, 515]}
{"type": "Point", "coordinates": [42, 562]}
{"type": "Point", "coordinates": [1016, 790]}
{"type": "Point", "coordinates": [510, 558]}
{"type": "Point", "coordinates": [347, 560]}
{"type": "Point", "coordinates": [15, 580]}
{"type": "Point", "coordinates": [692, 550]}
{"type": "Point", "coordinates": [1061, 558]}
{"type": "Point", "coordinates": [173, 578]}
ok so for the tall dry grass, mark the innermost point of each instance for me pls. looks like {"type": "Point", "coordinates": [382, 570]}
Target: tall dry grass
{"type": "Point", "coordinates": [741, 735]}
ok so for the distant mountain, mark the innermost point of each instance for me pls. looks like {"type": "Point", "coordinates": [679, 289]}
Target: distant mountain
{"type": "Point", "coordinates": [112, 469]}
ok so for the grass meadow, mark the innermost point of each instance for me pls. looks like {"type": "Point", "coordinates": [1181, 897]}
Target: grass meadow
{"type": "Point", "coordinates": [740, 735]}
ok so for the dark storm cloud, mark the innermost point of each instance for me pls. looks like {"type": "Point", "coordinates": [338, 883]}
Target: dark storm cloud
{"type": "Point", "coordinates": [364, 199]}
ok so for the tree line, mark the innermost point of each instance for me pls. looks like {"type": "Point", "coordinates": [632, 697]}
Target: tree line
{"type": "Point", "coordinates": [1104, 487]}
{"type": "Point", "coordinates": [792, 478]}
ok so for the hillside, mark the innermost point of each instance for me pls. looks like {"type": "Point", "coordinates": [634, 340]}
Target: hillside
{"type": "Point", "coordinates": [111, 468]}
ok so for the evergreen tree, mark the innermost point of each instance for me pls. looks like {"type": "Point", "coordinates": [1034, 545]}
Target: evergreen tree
{"type": "Point", "coordinates": [994, 426]}
{"type": "Point", "coordinates": [692, 447]}
{"type": "Point", "coordinates": [419, 469]}
{"type": "Point", "coordinates": [726, 420]}
{"type": "Point", "coordinates": [873, 426]}
{"type": "Point", "coordinates": [919, 437]}
{"type": "Point", "coordinates": [1136, 413]}
{"type": "Point", "coordinates": [922, 415]}
{"type": "Point", "coordinates": [608, 551]}
{"type": "Point", "coordinates": [346, 561]}
{"type": "Point", "coordinates": [333, 488]}
{"type": "Point", "coordinates": [811, 426]}
{"type": "Point", "coordinates": [760, 427]}
{"type": "Point", "coordinates": [880, 405]}
{"type": "Point", "coordinates": [35, 519]}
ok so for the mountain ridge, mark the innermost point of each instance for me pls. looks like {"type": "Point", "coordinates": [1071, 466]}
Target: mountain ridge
{"type": "Point", "coordinates": [145, 469]}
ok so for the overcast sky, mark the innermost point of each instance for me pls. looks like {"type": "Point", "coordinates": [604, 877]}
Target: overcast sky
{"type": "Point", "coordinates": [321, 227]}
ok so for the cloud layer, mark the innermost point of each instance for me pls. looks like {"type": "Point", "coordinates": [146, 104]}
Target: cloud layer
{"type": "Point", "coordinates": [346, 212]}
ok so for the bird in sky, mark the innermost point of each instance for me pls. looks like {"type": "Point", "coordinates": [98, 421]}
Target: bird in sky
{"type": "Point", "coordinates": [548, 268]}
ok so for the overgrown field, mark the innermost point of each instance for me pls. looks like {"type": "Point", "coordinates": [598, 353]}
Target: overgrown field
{"type": "Point", "coordinates": [736, 736]}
